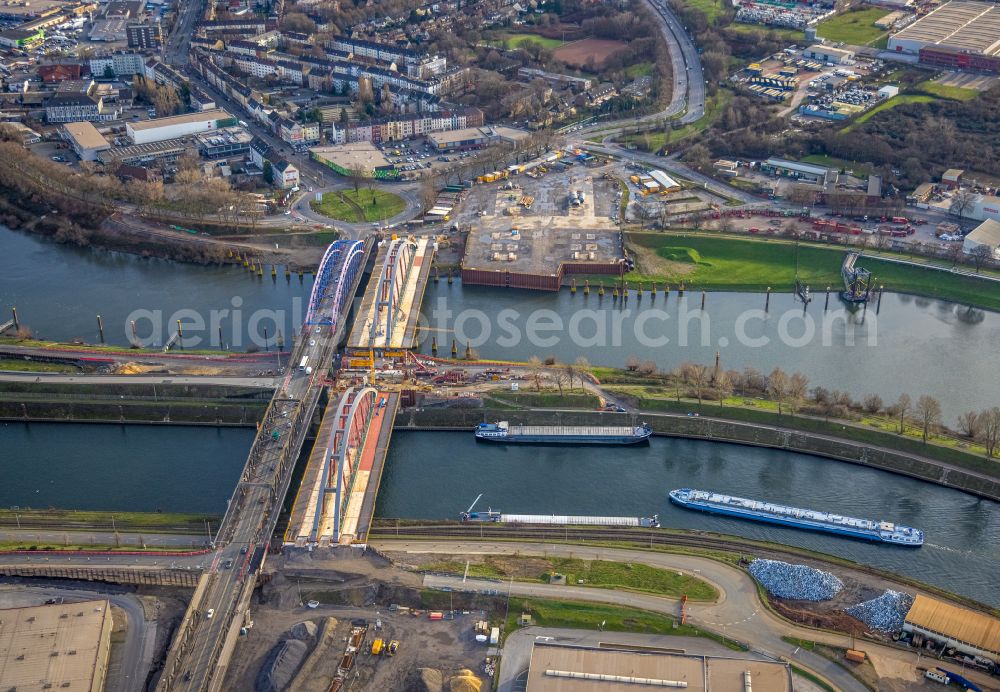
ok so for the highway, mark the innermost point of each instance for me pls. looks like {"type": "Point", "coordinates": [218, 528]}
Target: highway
{"type": "Point", "coordinates": [200, 649]}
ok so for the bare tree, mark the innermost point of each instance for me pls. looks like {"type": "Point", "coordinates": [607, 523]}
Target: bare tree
{"type": "Point", "coordinates": [928, 409]}
{"type": "Point", "coordinates": [777, 387]}
{"type": "Point", "coordinates": [902, 408]}
{"type": "Point", "coordinates": [570, 374]}
{"type": "Point", "coordinates": [989, 430]}
{"type": "Point", "coordinates": [968, 424]}
{"type": "Point", "coordinates": [872, 403]}
{"type": "Point", "coordinates": [632, 363]}
{"type": "Point", "coordinates": [535, 367]}
{"type": "Point", "coordinates": [648, 368]}
{"type": "Point", "coordinates": [961, 201]}
{"type": "Point", "coordinates": [699, 376]}
{"type": "Point", "coordinates": [798, 385]}
{"type": "Point", "coordinates": [980, 254]}
{"type": "Point", "coordinates": [559, 376]}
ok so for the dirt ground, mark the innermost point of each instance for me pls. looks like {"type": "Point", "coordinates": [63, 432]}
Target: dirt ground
{"type": "Point", "coordinates": [578, 52]}
{"type": "Point", "coordinates": [349, 590]}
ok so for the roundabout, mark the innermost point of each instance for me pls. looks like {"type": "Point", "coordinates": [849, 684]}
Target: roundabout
{"type": "Point", "coordinates": [359, 206]}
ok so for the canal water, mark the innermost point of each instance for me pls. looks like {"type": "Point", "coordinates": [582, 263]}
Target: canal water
{"type": "Point", "coordinates": [141, 468]}
{"type": "Point", "coordinates": [59, 290]}
{"type": "Point", "coordinates": [914, 345]}
{"type": "Point", "coordinates": [962, 552]}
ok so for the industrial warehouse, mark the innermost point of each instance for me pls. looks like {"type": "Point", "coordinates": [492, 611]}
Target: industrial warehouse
{"type": "Point", "coordinates": [562, 668]}
{"type": "Point", "coordinates": [962, 35]}
{"type": "Point", "coordinates": [56, 646]}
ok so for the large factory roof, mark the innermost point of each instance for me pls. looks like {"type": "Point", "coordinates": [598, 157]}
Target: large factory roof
{"type": "Point", "coordinates": [969, 26]}
{"type": "Point", "coordinates": [561, 668]}
{"type": "Point", "coordinates": [981, 631]}
{"type": "Point", "coordinates": [204, 116]}
{"type": "Point", "coordinates": [55, 646]}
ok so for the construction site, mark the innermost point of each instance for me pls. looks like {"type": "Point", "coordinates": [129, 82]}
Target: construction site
{"type": "Point", "coordinates": [535, 224]}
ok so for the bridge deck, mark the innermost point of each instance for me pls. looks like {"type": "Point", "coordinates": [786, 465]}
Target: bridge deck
{"type": "Point", "coordinates": [307, 500]}
{"type": "Point", "coordinates": [361, 508]}
{"type": "Point", "coordinates": [406, 310]}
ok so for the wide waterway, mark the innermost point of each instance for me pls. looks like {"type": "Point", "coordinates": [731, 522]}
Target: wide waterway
{"type": "Point", "coordinates": [59, 290]}
{"type": "Point", "coordinates": [141, 468]}
{"type": "Point", "coordinates": [962, 552]}
{"type": "Point", "coordinates": [914, 345]}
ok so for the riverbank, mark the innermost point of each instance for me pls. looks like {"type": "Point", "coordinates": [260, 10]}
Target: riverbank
{"type": "Point", "coordinates": [719, 429]}
{"type": "Point", "coordinates": [729, 263]}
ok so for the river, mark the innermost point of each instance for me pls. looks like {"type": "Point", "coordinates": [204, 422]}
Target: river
{"type": "Point", "coordinates": [59, 290]}
{"type": "Point", "coordinates": [961, 554]}
{"type": "Point", "coordinates": [914, 345]}
{"type": "Point", "coordinates": [140, 468]}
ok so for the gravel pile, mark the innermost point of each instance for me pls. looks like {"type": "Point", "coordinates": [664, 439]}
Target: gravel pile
{"type": "Point", "coordinates": [884, 613]}
{"type": "Point", "coordinates": [796, 582]}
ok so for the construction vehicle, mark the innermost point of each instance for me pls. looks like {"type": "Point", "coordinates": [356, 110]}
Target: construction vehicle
{"type": "Point", "coordinates": [377, 647]}
{"type": "Point", "coordinates": [393, 647]}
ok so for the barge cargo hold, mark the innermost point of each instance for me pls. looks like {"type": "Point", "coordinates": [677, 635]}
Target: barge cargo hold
{"type": "Point", "coordinates": [796, 517]}
{"type": "Point", "coordinates": [563, 434]}
{"type": "Point", "coordinates": [495, 517]}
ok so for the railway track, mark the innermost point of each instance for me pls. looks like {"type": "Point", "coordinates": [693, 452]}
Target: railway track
{"type": "Point", "coordinates": [640, 538]}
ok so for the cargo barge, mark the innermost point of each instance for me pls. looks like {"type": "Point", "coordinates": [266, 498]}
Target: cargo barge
{"type": "Point", "coordinates": [506, 433]}
{"type": "Point", "coordinates": [796, 517]}
{"type": "Point", "coordinates": [494, 517]}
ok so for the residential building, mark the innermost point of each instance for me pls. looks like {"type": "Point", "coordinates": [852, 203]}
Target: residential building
{"type": "Point", "coordinates": [395, 128]}
{"type": "Point", "coordinates": [286, 175]}
{"type": "Point", "coordinates": [144, 36]}
{"type": "Point", "coordinates": [118, 65]}
{"type": "Point", "coordinates": [72, 107]}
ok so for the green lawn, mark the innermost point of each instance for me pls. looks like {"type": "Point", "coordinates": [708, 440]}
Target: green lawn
{"type": "Point", "coordinates": [363, 205]}
{"type": "Point", "coordinates": [638, 577]}
{"type": "Point", "coordinates": [752, 265]}
{"type": "Point", "coordinates": [641, 69]}
{"type": "Point", "coordinates": [664, 136]}
{"type": "Point", "coordinates": [945, 91]}
{"type": "Point", "coordinates": [890, 103]}
{"type": "Point", "coordinates": [710, 8]}
{"type": "Point", "coordinates": [14, 364]}
{"type": "Point", "coordinates": [515, 40]}
{"type": "Point", "coordinates": [854, 28]}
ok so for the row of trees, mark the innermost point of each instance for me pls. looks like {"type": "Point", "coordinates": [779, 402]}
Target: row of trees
{"type": "Point", "coordinates": [791, 392]}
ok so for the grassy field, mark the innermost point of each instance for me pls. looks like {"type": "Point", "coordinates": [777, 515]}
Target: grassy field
{"type": "Point", "coordinates": [15, 365]}
{"type": "Point", "coordinates": [363, 205]}
{"type": "Point", "coordinates": [592, 616]}
{"type": "Point", "coordinates": [641, 69]}
{"type": "Point", "coordinates": [945, 91]}
{"type": "Point", "coordinates": [662, 137]}
{"type": "Point", "coordinates": [515, 40]}
{"type": "Point", "coordinates": [710, 8]}
{"type": "Point", "coordinates": [853, 28]}
{"type": "Point", "coordinates": [706, 262]}
{"type": "Point", "coordinates": [593, 573]}
{"type": "Point", "coordinates": [546, 399]}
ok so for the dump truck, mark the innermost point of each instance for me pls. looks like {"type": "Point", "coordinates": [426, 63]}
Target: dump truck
{"type": "Point", "coordinates": [377, 646]}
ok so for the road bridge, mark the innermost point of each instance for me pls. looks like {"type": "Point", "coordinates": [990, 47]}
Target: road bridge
{"type": "Point", "coordinates": [387, 321]}
{"type": "Point", "coordinates": [336, 498]}
{"type": "Point", "coordinates": [201, 648]}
